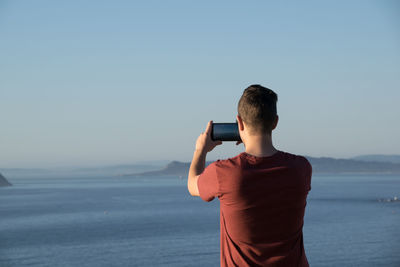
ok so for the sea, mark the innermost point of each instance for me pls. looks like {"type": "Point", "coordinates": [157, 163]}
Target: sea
{"type": "Point", "coordinates": [350, 220]}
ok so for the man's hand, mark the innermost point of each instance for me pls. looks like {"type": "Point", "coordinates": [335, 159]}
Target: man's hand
{"type": "Point", "coordinates": [204, 142]}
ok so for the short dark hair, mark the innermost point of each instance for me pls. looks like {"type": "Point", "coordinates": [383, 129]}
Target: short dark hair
{"type": "Point", "coordinates": [257, 108]}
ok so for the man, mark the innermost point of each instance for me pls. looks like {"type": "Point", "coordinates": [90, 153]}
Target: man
{"type": "Point", "coordinates": [262, 191]}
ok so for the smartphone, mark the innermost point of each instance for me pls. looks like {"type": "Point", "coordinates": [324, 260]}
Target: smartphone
{"type": "Point", "coordinates": [225, 132]}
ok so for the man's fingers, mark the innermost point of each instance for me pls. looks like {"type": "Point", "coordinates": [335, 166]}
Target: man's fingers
{"type": "Point", "coordinates": [208, 129]}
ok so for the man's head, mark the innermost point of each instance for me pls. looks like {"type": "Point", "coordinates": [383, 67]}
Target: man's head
{"type": "Point", "coordinates": [257, 110]}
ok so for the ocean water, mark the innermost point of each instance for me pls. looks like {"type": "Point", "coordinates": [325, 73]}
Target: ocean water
{"type": "Point", "coordinates": [155, 222]}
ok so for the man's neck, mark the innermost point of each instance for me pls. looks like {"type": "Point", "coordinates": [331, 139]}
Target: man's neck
{"type": "Point", "coordinates": [260, 146]}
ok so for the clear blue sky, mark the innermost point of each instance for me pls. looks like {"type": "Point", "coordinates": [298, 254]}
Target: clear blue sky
{"type": "Point", "coordinates": [108, 82]}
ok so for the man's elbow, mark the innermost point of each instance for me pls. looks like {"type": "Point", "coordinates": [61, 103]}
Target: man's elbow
{"type": "Point", "coordinates": [191, 192]}
{"type": "Point", "coordinates": [188, 186]}
{"type": "Point", "coordinates": [192, 186]}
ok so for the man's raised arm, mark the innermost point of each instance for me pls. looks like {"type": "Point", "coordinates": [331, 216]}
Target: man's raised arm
{"type": "Point", "coordinates": [204, 144]}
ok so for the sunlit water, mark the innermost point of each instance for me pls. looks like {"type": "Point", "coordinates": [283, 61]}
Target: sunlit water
{"type": "Point", "coordinates": [154, 222]}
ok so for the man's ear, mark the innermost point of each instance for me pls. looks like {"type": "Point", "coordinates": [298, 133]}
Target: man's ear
{"type": "Point", "coordinates": [275, 122]}
{"type": "Point", "coordinates": [240, 122]}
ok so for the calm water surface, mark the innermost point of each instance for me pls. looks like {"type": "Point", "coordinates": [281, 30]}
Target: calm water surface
{"type": "Point", "coordinates": [154, 222]}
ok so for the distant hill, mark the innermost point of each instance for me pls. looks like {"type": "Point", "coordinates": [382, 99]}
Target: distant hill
{"type": "Point", "coordinates": [379, 158]}
{"type": "Point", "coordinates": [3, 181]}
{"type": "Point", "coordinates": [175, 168]}
{"type": "Point", "coordinates": [101, 171]}
{"type": "Point", "coordinates": [336, 166]}
{"type": "Point", "coordinates": [322, 165]}
{"type": "Point", "coordinates": [359, 164]}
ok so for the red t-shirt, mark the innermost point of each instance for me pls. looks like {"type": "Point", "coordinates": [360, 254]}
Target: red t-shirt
{"type": "Point", "coordinates": [262, 204]}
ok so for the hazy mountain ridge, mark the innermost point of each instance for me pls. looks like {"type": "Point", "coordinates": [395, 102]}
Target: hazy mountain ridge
{"type": "Point", "coordinates": [3, 181]}
{"type": "Point", "coordinates": [378, 158]}
{"type": "Point", "coordinates": [336, 166]}
{"type": "Point", "coordinates": [321, 165]}
{"type": "Point", "coordinates": [176, 168]}
{"type": "Point", "coordinates": [112, 170]}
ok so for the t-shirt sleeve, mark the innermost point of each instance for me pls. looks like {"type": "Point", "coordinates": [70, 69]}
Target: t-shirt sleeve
{"type": "Point", "coordinates": [208, 184]}
{"type": "Point", "coordinates": [305, 172]}
{"type": "Point", "coordinates": [308, 174]}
